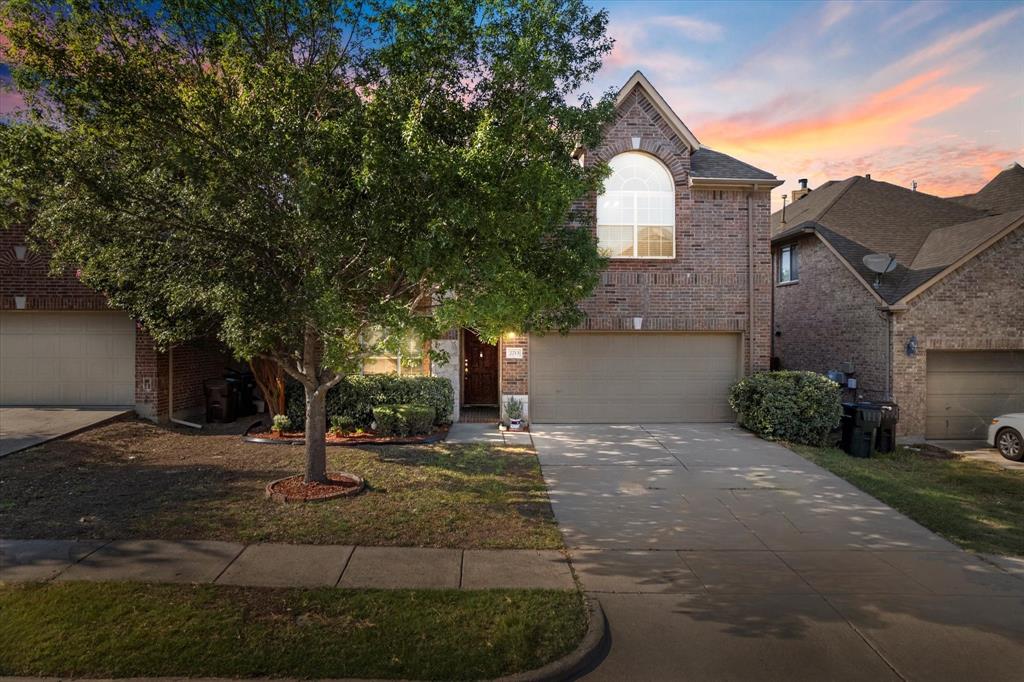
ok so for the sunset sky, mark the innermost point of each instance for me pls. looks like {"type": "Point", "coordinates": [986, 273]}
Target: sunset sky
{"type": "Point", "coordinates": [925, 91]}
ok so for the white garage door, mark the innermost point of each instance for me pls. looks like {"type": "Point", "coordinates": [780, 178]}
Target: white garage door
{"type": "Point", "coordinates": [967, 388]}
{"type": "Point", "coordinates": [85, 359]}
{"type": "Point", "coordinates": [625, 377]}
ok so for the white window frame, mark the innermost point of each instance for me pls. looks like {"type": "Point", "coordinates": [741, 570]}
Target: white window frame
{"type": "Point", "coordinates": [634, 194]}
{"type": "Point", "coordinates": [794, 265]}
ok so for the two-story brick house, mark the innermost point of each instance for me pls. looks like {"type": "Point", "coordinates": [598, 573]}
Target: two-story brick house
{"type": "Point", "coordinates": [684, 306]}
{"type": "Point", "coordinates": [942, 332]}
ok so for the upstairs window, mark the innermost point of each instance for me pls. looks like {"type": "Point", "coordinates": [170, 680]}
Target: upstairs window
{"type": "Point", "coordinates": [636, 214]}
{"type": "Point", "coordinates": [787, 265]}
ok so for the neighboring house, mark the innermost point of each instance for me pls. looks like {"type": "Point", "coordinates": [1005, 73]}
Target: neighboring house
{"type": "Point", "coordinates": [61, 345]}
{"type": "Point", "coordinates": [942, 333]}
{"type": "Point", "coordinates": [682, 310]}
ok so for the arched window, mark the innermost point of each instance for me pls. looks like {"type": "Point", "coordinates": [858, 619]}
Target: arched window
{"type": "Point", "coordinates": [636, 215]}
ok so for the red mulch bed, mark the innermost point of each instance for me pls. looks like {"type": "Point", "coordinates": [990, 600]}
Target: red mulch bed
{"type": "Point", "coordinates": [293, 489]}
{"type": "Point", "coordinates": [364, 438]}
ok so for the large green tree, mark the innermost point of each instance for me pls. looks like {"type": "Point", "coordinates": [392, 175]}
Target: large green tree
{"type": "Point", "coordinates": [292, 176]}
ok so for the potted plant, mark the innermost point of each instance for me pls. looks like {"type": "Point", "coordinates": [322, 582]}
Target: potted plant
{"type": "Point", "coordinates": [514, 410]}
{"type": "Point", "coordinates": [280, 424]}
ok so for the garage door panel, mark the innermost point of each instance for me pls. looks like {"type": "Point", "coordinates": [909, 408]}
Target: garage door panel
{"type": "Point", "coordinates": [594, 378]}
{"type": "Point", "coordinates": [966, 389]}
{"type": "Point", "coordinates": [67, 358]}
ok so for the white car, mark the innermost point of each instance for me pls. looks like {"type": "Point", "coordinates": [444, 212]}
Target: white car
{"type": "Point", "coordinates": [1005, 433]}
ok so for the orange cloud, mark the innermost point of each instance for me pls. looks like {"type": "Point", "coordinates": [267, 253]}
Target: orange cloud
{"type": "Point", "coordinates": [883, 118]}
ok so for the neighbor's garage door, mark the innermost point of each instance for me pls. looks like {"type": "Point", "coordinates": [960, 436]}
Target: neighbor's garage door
{"type": "Point", "coordinates": [607, 378]}
{"type": "Point", "coordinates": [967, 388]}
{"type": "Point", "coordinates": [85, 359]}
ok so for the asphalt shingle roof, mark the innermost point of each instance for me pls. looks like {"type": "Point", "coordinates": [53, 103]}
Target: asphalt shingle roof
{"type": "Point", "coordinates": [1004, 193]}
{"type": "Point", "coordinates": [925, 233]}
{"type": "Point", "coordinates": [707, 163]}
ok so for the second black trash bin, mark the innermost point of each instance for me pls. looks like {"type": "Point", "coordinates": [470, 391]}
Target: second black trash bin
{"type": "Point", "coordinates": [220, 401]}
{"type": "Point", "coordinates": [860, 422]}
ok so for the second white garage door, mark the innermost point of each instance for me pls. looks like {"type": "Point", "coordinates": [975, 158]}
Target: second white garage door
{"type": "Point", "coordinates": [74, 359]}
{"type": "Point", "coordinates": [624, 377]}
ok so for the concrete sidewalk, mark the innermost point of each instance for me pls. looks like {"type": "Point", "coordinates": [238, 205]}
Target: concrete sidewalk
{"type": "Point", "coordinates": [280, 565]}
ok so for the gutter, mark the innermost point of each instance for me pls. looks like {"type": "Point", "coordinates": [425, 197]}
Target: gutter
{"type": "Point", "coordinates": [734, 183]}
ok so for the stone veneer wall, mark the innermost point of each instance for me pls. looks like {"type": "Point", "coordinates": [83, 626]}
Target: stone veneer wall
{"type": "Point", "coordinates": [980, 306]}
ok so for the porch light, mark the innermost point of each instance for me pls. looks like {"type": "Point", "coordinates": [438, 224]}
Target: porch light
{"type": "Point", "coordinates": [510, 335]}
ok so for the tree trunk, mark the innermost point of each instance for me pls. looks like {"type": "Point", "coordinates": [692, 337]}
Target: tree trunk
{"type": "Point", "coordinates": [316, 435]}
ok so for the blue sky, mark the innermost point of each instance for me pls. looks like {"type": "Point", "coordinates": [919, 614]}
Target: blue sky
{"type": "Point", "coordinates": [925, 91]}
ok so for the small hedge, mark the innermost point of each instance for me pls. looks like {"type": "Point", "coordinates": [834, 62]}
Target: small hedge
{"type": "Point", "coordinates": [403, 420]}
{"type": "Point", "coordinates": [356, 396]}
{"type": "Point", "coordinates": [799, 407]}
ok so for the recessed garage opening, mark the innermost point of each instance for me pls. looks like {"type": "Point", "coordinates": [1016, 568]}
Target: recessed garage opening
{"type": "Point", "coordinates": [80, 359]}
{"type": "Point", "coordinates": [633, 377]}
{"type": "Point", "coordinates": [966, 389]}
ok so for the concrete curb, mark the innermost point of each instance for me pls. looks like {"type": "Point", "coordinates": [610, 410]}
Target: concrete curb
{"type": "Point", "coordinates": [588, 653]}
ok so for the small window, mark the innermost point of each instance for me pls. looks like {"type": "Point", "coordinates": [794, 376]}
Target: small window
{"type": "Point", "coordinates": [636, 213]}
{"type": "Point", "coordinates": [788, 270]}
{"type": "Point", "coordinates": [405, 356]}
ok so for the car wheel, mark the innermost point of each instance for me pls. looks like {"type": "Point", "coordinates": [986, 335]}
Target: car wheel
{"type": "Point", "coordinates": [1010, 444]}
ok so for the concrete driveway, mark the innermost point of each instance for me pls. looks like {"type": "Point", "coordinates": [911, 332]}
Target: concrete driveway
{"type": "Point", "coordinates": [719, 556]}
{"type": "Point", "coordinates": [26, 427]}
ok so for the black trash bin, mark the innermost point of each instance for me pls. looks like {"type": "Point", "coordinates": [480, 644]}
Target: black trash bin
{"type": "Point", "coordinates": [244, 385]}
{"type": "Point", "coordinates": [885, 438]}
{"type": "Point", "coordinates": [860, 422]}
{"type": "Point", "coordinates": [220, 401]}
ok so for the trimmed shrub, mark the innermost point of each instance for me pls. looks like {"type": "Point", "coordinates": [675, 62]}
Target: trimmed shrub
{"type": "Point", "coordinates": [342, 423]}
{"type": "Point", "coordinates": [282, 423]}
{"type": "Point", "coordinates": [356, 396]}
{"type": "Point", "coordinates": [418, 418]}
{"type": "Point", "coordinates": [799, 407]}
{"type": "Point", "coordinates": [390, 421]}
{"type": "Point", "coordinates": [403, 420]}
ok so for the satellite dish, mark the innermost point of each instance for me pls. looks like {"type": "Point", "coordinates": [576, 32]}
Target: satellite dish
{"type": "Point", "coordinates": [880, 263]}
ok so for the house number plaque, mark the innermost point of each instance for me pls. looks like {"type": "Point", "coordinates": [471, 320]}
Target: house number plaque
{"type": "Point", "coordinates": [513, 353]}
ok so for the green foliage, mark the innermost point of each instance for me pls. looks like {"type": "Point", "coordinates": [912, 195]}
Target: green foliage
{"type": "Point", "coordinates": [356, 396]}
{"type": "Point", "coordinates": [341, 423]}
{"type": "Point", "coordinates": [514, 408]}
{"type": "Point", "coordinates": [799, 407]}
{"type": "Point", "coordinates": [403, 420]}
{"type": "Point", "coordinates": [281, 422]}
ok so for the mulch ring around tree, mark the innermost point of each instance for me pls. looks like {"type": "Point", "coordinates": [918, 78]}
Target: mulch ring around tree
{"type": "Point", "coordinates": [260, 433]}
{"type": "Point", "coordinates": [293, 489]}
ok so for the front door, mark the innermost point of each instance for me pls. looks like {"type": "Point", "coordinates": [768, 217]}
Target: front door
{"type": "Point", "coordinates": [479, 370]}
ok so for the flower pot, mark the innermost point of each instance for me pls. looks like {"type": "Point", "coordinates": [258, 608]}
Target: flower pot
{"type": "Point", "coordinates": [515, 424]}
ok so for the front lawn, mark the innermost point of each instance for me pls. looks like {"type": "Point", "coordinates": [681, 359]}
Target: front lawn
{"type": "Point", "coordinates": [134, 479]}
{"type": "Point", "coordinates": [977, 505]}
{"type": "Point", "coordinates": [140, 630]}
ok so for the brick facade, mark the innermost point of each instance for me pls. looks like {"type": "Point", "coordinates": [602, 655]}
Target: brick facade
{"type": "Point", "coordinates": [828, 318]}
{"type": "Point", "coordinates": [977, 307]}
{"type": "Point", "coordinates": [194, 362]}
{"type": "Point", "coordinates": [706, 286]}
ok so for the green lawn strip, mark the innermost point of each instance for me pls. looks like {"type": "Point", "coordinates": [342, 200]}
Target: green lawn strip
{"type": "Point", "coordinates": [138, 480]}
{"type": "Point", "coordinates": [137, 629]}
{"type": "Point", "coordinates": [977, 505]}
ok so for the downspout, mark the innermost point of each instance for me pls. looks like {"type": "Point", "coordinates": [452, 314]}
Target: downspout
{"type": "Point", "coordinates": [170, 392]}
{"type": "Point", "coordinates": [750, 283]}
{"type": "Point", "coordinates": [889, 357]}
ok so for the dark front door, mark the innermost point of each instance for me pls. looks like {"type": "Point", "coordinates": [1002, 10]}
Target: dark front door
{"type": "Point", "coordinates": [479, 370]}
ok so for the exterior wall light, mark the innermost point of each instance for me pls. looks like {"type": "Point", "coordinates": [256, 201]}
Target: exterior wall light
{"type": "Point", "coordinates": [19, 302]}
{"type": "Point", "coordinates": [911, 347]}
{"type": "Point", "coordinates": [638, 323]}
{"type": "Point", "coordinates": [19, 251]}
{"type": "Point", "coordinates": [510, 335]}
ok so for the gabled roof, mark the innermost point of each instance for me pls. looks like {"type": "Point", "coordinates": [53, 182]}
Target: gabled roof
{"type": "Point", "coordinates": [708, 168]}
{"type": "Point", "coordinates": [662, 107]}
{"type": "Point", "coordinates": [927, 235]}
{"type": "Point", "coordinates": [1003, 193]}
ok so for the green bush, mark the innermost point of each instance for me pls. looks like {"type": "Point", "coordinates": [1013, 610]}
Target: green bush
{"type": "Point", "coordinates": [281, 423]}
{"type": "Point", "coordinates": [403, 420]}
{"type": "Point", "coordinates": [390, 421]}
{"type": "Point", "coordinates": [342, 423]}
{"type": "Point", "coordinates": [799, 407]}
{"type": "Point", "coordinates": [419, 418]}
{"type": "Point", "coordinates": [356, 396]}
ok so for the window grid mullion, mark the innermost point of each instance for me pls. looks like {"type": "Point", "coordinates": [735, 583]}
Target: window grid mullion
{"type": "Point", "coordinates": [636, 227]}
